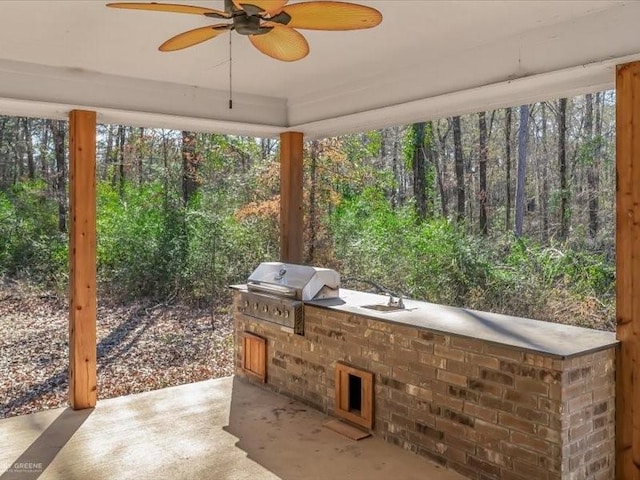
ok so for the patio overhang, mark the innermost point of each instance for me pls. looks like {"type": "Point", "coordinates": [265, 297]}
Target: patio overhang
{"type": "Point", "coordinates": [428, 60]}
{"type": "Point", "coordinates": [36, 91]}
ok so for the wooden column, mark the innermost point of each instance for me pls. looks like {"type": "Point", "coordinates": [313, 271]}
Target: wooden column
{"type": "Point", "coordinates": [628, 271]}
{"type": "Point", "coordinates": [291, 215]}
{"type": "Point", "coordinates": [82, 259]}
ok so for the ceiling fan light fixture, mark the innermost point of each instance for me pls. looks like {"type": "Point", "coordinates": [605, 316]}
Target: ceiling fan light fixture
{"type": "Point", "coordinates": [270, 25]}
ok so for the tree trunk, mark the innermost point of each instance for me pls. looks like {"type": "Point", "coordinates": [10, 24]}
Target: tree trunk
{"type": "Point", "coordinates": [431, 169]}
{"type": "Point", "coordinates": [507, 155]}
{"type": "Point", "coordinates": [482, 124]}
{"type": "Point", "coordinates": [522, 165]}
{"type": "Point", "coordinates": [562, 161]}
{"type": "Point", "coordinates": [534, 205]}
{"type": "Point", "coordinates": [140, 154]}
{"type": "Point", "coordinates": [384, 160]}
{"type": "Point", "coordinates": [592, 166]}
{"type": "Point", "coordinates": [58, 133]}
{"type": "Point", "coordinates": [389, 142]}
{"type": "Point", "coordinates": [459, 161]}
{"type": "Point", "coordinates": [441, 165]}
{"type": "Point", "coordinates": [398, 196]}
{"type": "Point", "coordinates": [44, 147]}
{"type": "Point", "coordinates": [440, 181]}
{"type": "Point", "coordinates": [3, 164]}
{"type": "Point", "coordinates": [470, 190]}
{"type": "Point", "coordinates": [122, 135]}
{"type": "Point", "coordinates": [18, 149]}
{"type": "Point", "coordinates": [267, 146]}
{"type": "Point", "coordinates": [544, 201]}
{"type": "Point", "coordinates": [108, 156]}
{"type": "Point", "coordinates": [419, 170]}
{"type": "Point", "coordinates": [165, 164]}
{"type": "Point", "coordinates": [594, 172]}
{"type": "Point", "coordinates": [190, 166]}
{"type": "Point", "coordinates": [313, 188]}
{"type": "Point", "coordinates": [28, 141]}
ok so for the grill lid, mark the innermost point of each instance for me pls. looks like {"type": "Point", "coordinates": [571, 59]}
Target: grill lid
{"type": "Point", "coordinates": [295, 281]}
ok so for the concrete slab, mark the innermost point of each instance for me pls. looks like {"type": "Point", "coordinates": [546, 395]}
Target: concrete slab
{"type": "Point", "coordinates": [220, 429]}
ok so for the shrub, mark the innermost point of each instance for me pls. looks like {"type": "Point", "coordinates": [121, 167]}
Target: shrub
{"type": "Point", "coordinates": [138, 240]}
{"type": "Point", "coordinates": [31, 246]}
{"type": "Point", "coordinates": [432, 260]}
{"type": "Point", "coordinates": [437, 261]}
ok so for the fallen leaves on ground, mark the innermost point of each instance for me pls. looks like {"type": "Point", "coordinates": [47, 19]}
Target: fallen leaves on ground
{"type": "Point", "coordinates": [141, 346]}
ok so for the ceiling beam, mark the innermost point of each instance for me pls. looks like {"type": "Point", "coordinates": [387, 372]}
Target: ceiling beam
{"type": "Point", "coordinates": [562, 83]}
{"type": "Point", "coordinates": [535, 88]}
{"type": "Point", "coordinates": [44, 91]}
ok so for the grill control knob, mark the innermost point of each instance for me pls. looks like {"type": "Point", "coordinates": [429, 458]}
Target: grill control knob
{"type": "Point", "coordinates": [255, 306]}
{"type": "Point", "coordinates": [246, 303]}
{"type": "Point", "coordinates": [286, 314]}
{"type": "Point", "coordinates": [264, 309]}
{"type": "Point", "coordinates": [277, 312]}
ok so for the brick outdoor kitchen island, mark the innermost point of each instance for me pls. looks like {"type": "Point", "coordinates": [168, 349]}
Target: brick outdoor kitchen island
{"type": "Point", "coordinates": [490, 396]}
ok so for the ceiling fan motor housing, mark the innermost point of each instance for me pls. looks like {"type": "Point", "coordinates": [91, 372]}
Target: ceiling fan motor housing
{"type": "Point", "coordinates": [249, 25]}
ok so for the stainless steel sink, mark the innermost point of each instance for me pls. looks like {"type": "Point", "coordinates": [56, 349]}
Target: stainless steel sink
{"type": "Point", "coordinates": [384, 308]}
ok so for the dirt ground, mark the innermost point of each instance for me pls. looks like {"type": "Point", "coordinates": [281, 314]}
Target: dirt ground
{"type": "Point", "coordinates": [141, 346]}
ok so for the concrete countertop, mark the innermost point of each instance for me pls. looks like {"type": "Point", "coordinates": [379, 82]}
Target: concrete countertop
{"type": "Point", "coordinates": [548, 338]}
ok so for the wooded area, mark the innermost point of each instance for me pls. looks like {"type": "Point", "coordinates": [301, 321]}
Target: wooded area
{"type": "Point", "coordinates": [509, 210]}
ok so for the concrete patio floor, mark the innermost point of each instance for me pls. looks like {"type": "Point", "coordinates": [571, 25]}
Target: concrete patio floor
{"type": "Point", "coordinates": [217, 429]}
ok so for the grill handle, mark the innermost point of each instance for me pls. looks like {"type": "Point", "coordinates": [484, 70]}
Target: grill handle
{"type": "Point", "coordinates": [272, 289]}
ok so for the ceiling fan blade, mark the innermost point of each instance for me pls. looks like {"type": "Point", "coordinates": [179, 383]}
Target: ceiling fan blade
{"type": "Point", "coordinates": [169, 7]}
{"type": "Point", "coordinates": [332, 16]}
{"type": "Point", "coordinates": [269, 6]}
{"type": "Point", "coordinates": [282, 43]}
{"type": "Point", "coordinates": [193, 37]}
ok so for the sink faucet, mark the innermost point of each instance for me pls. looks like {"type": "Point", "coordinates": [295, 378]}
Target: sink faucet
{"type": "Point", "coordinates": [396, 303]}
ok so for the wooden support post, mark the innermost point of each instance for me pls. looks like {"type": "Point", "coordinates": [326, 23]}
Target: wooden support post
{"type": "Point", "coordinates": [82, 260]}
{"type": "Point", "coordinates": [291, 215]}
{"type": "Point", "coordinates": [628, 271]}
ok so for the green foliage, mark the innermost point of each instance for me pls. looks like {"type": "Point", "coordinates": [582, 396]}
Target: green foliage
{"type": "Point", "coordinates": [30, 243]}
{"type": "Point", "coordinates": [149, 244]}
{"type": "Point", "coordinates": [358, 148]}
{"type": "Point", "coordinates": [434, 260]}
{"type": "Point", "coordinates": [587, 149]}
{"type": "Point", "coordinates": [133, 242]}
{"type": "Point", "coordinates": [410, 143]}
{"type": "Point", "coordinates": [580, 272]}
{"type": "Point", "coordinates": [439, 262]}
{"type": "Point", "coordinates": [223, 250]}
{"type": "Point", "coordinates": [7, 225]}
{"type": "Point", "coordinates": [532, 273]}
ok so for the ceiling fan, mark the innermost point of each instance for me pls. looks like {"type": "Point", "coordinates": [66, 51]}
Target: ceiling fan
{"type": "Point", "coordinates": [270, 25]}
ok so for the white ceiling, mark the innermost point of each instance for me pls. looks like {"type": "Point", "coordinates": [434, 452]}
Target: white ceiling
{"type": "Point", "coordinates": [426, 60]}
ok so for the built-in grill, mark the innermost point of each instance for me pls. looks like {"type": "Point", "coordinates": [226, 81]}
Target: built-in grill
{"type": "Point", "coordinates": [275, 292]}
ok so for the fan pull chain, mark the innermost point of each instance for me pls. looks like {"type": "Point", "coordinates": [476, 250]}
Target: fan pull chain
{"type": "Point", "coordinates": [230, 74]}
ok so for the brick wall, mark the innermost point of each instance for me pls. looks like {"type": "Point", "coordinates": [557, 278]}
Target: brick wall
{"type": "Point", "coordinates": [486, 411]}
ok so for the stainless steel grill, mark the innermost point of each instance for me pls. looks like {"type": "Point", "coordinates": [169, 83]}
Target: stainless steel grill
{"type": "Point", "coordinates": [275, 292]}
